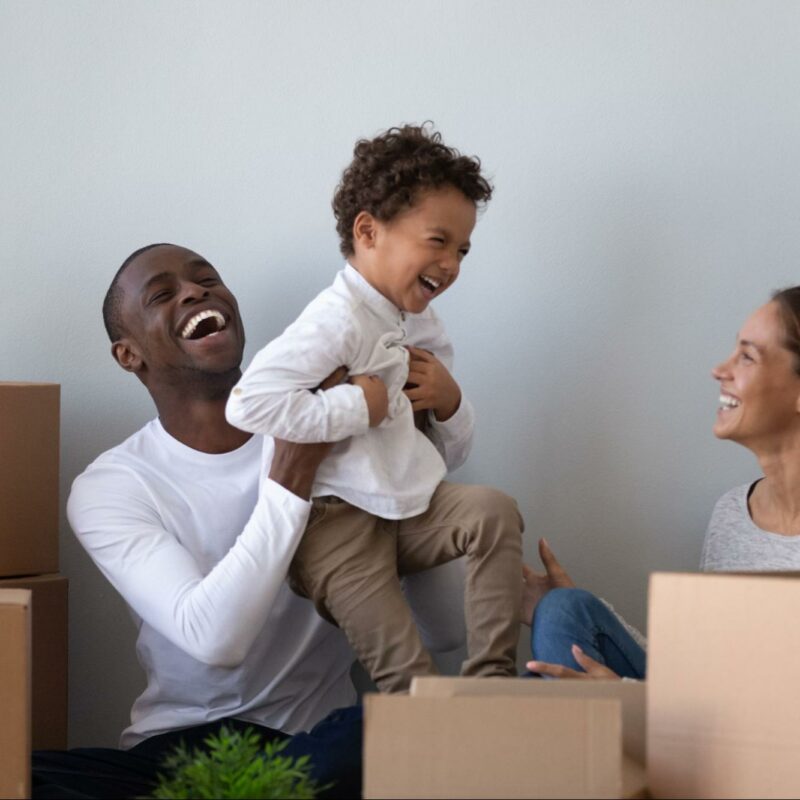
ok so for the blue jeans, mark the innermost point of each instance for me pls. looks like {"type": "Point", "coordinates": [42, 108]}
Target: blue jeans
{"type": "Point", "coordinates": [565, 617]}
{"type": "Point", "coordinates": [334, 747]}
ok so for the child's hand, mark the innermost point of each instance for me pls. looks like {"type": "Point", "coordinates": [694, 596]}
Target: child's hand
{"type": "Point", "coordinates": [433, 387]}
{"type": "Point", "coordinates": [376, 396]}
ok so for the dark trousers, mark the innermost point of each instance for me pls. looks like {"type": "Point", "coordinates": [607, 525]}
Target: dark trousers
{"type": "Point", "coordinates": [333, 745]}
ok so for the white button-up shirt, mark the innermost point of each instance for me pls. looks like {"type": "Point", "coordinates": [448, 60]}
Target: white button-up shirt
{"type": "Point", "coordinates": [390, 470]}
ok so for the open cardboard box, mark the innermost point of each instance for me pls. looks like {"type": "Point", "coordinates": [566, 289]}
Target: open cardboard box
{"type": "Point", "coordinates": [505, 737]}
{"type": "Point", "coordinates": [723, 717]}
{"type": "Point", "coordinates": [15, 692]}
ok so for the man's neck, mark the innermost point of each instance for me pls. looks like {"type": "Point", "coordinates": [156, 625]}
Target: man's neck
{"type": "Point", "coordinates": [198, 421]}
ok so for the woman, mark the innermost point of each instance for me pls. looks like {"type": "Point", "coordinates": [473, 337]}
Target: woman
{"type": "Point", "coordinates": [754, 528]}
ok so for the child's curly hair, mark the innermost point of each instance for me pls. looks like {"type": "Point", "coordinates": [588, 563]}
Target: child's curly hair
{"type": "Point", "coordinates": [387, 173]}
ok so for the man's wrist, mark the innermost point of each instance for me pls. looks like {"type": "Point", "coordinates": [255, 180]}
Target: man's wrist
{"type": "Point", "coordinates": [294, 467]}
{"type": "Point", "coordinates": [298, 484]}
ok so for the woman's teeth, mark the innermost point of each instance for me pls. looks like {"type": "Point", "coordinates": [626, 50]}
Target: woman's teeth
{"type": "Point", "coordinates": [726, 401]}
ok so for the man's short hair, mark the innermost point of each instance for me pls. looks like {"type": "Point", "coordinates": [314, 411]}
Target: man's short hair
{"type": "Point", "coordinates": [112, 304]}
{"type": "Point", "coordinates": [388, 172]}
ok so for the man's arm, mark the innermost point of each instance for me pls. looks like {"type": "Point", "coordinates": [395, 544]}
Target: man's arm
{"type": "Point", "coordinates": [213, 616]}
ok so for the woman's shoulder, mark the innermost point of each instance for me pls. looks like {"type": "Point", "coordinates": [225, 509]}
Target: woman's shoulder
{"type": "Point", "coordinates": [734, 502]}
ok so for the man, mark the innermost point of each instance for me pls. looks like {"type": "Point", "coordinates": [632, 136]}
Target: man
{"type": "Point", "coordinates": [174, 518]}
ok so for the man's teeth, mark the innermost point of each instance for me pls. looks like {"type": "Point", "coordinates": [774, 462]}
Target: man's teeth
{"type": "Point", "coordinates": [726, 401]}
{"type": "Point", "coordinates": [190, 327]}
{"type": "Point", "coordinates": [431, 283]}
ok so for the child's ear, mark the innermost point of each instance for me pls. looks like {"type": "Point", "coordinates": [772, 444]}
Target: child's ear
{"type": "Point", "coordinates": [365, 228]}
{"type": "Point", "coordinates": [127, 355]}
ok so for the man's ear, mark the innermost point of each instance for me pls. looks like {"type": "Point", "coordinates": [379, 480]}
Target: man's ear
{"type": "Point", "coordinates": [365, 229]}
{"type": "Point", "coordinates": [127, 355]}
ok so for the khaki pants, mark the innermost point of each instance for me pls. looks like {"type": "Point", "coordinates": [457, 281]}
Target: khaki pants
{"type": "Point", "coordinates": [349, 564]}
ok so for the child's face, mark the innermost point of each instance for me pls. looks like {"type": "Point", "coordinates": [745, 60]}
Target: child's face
{"type": "Point", "coordinates": [417, 254]}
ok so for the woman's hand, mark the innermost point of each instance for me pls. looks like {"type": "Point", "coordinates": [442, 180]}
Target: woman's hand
{"type": "Point", "coordinates": [593, 670]}
{"type": "Point", "coordinates": [536, 585]}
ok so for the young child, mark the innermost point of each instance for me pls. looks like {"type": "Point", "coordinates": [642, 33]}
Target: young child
{"type": "Point", "coordinates": [405, 210]}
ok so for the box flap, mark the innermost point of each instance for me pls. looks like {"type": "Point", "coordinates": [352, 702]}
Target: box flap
{"type": "Point", "coordinates": [15, 597]}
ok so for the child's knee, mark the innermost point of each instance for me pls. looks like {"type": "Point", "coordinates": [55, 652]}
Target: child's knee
{"type": "Point", "coordinates": [497, 508]}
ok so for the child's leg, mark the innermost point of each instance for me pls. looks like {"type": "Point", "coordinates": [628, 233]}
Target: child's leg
{"type": "Point", "coordinates": [346, 564]}
{"type": "Point", "coordinates": [484, 525]}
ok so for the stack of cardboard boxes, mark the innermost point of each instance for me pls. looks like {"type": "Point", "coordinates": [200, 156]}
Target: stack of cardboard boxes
{"type": "Point", "coordinates": [722, 712]}
{"type": "Point", "coordinates": [30, 586]}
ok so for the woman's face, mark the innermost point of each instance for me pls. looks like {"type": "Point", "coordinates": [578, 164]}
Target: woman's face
{"type": "Point", "coordinates": [759, 389]}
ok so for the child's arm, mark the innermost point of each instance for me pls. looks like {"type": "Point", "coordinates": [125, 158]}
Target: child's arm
{"type": "Point", "coordinates": [276, 395]}
{"type": "Point", "coordinates": [451, 419]}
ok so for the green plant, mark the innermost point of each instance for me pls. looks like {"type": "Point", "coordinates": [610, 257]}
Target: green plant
{"type": "Point", "coordinates": [236, 765]}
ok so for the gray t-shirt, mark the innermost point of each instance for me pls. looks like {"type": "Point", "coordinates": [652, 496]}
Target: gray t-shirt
{"type": "Point", "coordinates": [734, 543]}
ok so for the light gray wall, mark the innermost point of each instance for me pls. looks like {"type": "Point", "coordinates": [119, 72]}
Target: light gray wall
{"type": "Point", "coordinates": [645, 155]}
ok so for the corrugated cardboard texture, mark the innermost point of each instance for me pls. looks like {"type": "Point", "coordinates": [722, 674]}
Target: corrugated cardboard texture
{"type": "Point", "coordinates": [15, 687]}
{"type": "Point", "coordinates": [630, 693]}
{"type": "Point", "coordinates": [48, 658]}
{"type": "Point", "coordinates": [723, 703]}
{"type": "Point", "coordinates": [490, 746]}
{"type": "Point", "coordinates": [29, 436]}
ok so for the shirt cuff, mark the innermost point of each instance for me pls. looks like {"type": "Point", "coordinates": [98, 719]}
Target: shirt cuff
{"type": "Point", "coordinates": [459, 426]}
{"type": "Point", "coordinates": [349, 414]}
{"type": "Point", "coordinates": [281, 499]}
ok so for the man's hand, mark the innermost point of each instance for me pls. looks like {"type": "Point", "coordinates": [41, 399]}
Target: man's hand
{"type": "Point", "coordinates": [536, 585]}
{"type": "Point", "coordinates": [294, 466]}
{"type": "Point", "coordinates": [376, 395]}
{"type": "Point", "coordinates": [593, 670]}
{"type": "Point", "coordinates": [433, 387]}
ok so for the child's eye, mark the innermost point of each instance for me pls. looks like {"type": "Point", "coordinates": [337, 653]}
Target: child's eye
{"type": "Point", "coordinates": [463, 253]}
{"type": "Point", "coordinates": [437, 239]}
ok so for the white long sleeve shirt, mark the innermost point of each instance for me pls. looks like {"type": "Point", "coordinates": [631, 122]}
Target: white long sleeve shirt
{"type": "Point", "coordinates": [390, 470]}
{"type": "Point", "coordinates": [200, 556]}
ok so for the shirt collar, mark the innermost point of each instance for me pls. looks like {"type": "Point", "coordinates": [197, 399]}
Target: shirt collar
{"type": "Point", "coordinates": [361, 287]}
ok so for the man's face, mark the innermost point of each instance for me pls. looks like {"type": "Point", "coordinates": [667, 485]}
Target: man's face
{"type": "Point", "coordinates": [180, 319]}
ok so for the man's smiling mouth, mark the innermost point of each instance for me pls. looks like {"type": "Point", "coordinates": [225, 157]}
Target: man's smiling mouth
{"type": "Point", "coordinates": [204, 323]}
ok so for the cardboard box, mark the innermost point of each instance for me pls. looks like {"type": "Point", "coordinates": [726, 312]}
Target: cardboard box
{"type": "Point", "coordinates": [49, 605]}
{"type": "Point", "coordinates": [29, 441]}
{"type": "Point", "coordinates": [723, 704]}
{"type": "Point", "coordinates": [482, 738]}
{"type": "Point", "coordinates": [15, 693]}
{"type": "Point", "coordinates": [630, 693]}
